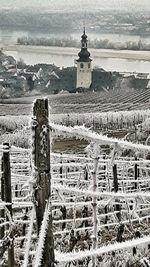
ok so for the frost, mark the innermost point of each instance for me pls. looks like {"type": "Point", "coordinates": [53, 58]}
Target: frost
{"type": "Point", "coordinates": [42, 236]}
{"type": "Point", "coordinates": [81, 132]}
{"type": "Point", "coordinates": [68, 257]}
{"type": "Point", "coordinates": [29, 236]}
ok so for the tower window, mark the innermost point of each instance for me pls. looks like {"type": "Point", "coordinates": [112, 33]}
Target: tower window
{"type": "Point", "coordinates": [81, 65]}
{"type": "Point", "coordinates": [89, 65]}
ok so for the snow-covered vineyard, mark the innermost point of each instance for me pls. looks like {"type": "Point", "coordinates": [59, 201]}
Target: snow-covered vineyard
{"type": "Point", "coordinates": [112, 100]}
{"type": "Point", "coordinates": [99, 202]}
{"type": "Point", "coordinates": [132, 125]}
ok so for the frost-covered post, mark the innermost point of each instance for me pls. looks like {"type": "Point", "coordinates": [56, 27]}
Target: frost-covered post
{"type": "Point", "coordinates": [93, 124]}
{"type": "Point", "coordinates": [95, 221]}
{"type": "Point", "coordinates": [8, 197]}
{"type": "Point", "coordinates": [135, 173]}
{"type": "Point", "coordinates": [115, 177]}
{"type": "Point", "coordinates": [61, 169]}
{"type": "Point", "coordinates": [2, 213]}
{"type": "Point", "coordinates": [42, 173]}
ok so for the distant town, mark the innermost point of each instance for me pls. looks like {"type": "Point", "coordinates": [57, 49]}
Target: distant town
{"type": "Point", "coordinates": [18, 79]}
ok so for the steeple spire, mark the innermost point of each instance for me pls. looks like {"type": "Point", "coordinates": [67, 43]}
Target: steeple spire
{"type": "Point", "coordinates": [84, 54]}
{"type": "Point", "coordinates": [84, 29]}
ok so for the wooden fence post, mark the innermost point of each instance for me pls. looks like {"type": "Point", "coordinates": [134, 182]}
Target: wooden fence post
{"type": "Point", "coordinates": [2, 213]}
{"type": "Point", "coordinates": [118, 208]}
{"type": "Point", "coordinates": [93, 124]}
{"type": "Point", "coordinates": [8, 197]}
{"type": "Point", "coordinates": [43, 175]}
{"type": "Point", "coordinates": [61, 168]}
{"type": "Point", "coordinates": [136, 173]}
{"type": "Point", "coordinates": [115, 177]}
{"type": "Point", "coordinates": [16, 190]}
{"type": "Point", "coordinates": [95, 221]}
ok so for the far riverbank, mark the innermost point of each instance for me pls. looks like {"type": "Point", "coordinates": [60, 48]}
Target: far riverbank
{"type": "Point", "coordinates": [71, 51]}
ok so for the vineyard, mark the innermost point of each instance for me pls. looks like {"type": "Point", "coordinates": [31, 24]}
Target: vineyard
{"type": "Point", "coordinates": [121, 110]}
{"type": "Point", "coordinates": [59, 209]}
{"type": "Point", "coordinates": [113, 100]}
{"type": "Point", "coordinates": [89, 102]}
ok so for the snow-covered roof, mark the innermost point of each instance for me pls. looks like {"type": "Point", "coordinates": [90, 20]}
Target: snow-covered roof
{"type": "Point", "coordinates": [53, 75]}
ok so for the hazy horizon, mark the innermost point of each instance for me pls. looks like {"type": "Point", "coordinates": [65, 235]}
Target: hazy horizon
{"type": "Point", "coordinates": [81, 5]}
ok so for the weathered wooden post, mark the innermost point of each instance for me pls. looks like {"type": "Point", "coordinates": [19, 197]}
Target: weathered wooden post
{"type": "Point", "coordinates": [16, 190]}
{"type": "Point", "coordinates": [8, 197]}
{"type": "Point", "coordinates": [104, 157]}
{"type": "Point", "coordinates": [135, 173]}
{"type": "Point", "coordinates": [2, 213]}
{"type": "Point", "coordinates": [86, 174]}
{"type": "Point", "coordinates": [43, 175]}
{"type": "Point", "coordinates": [118, 208]}
{"type": "Point", "coordinates": [115, 177]}
{"type": "Point", "coordinates": [61, 169]}
{"type": "Point", "coordinates": [93, 124]}
{"type": "Point", "coordinates": [95, 221]}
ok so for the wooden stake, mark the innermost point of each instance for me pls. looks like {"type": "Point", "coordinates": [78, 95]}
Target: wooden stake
{"type": "Point", "coordinates": [43, 175]}
{"type": "Point", "coordinates": [61, 169]}
{"type": "Point", "coordinates": [135, 173]}
{"type": "Point", "coordinates": [115, 178]}
{"type": "Point", "coordinates": [116, 188]}
{"type": "Point", "coordinates": [2, 213]}
{"type": "Point", "coordinates": [95, 221]}
{"type": "Point", "coordinates": [8, 197]}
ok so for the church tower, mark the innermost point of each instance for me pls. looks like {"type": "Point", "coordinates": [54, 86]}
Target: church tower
{"type": "Point", "coordinates": [84, 70]}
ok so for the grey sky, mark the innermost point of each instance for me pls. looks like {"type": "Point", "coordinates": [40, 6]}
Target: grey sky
{"type": "Point", "coordinates": [74, 4]}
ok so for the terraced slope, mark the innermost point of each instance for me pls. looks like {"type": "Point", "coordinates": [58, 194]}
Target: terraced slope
{"type": "Point", "coordinates": [114, 100]}
{"type": "Point", "coordinates": [101, 102]}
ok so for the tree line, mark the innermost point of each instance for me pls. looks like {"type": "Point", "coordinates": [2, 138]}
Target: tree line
{"type": "Point", "coordinates": [71, 42]}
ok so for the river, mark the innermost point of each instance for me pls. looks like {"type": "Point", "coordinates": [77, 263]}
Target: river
{"type": "Point", "coordinates": [8, 36]}
{"type": "Point", "coordinates": [108, 64]}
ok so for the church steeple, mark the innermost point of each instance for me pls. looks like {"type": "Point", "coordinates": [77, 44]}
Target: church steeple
{"type": "Point", "coordinates": [84, 55]}
{"type": "Point", "coordinates": [84, 70]}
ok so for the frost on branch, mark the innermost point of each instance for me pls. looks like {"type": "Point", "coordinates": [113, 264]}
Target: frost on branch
{"type": "Point", "coordinates": [93, 150]}
{"type": "Point", "coordinates": [42, 235]}
{"type": "Point", "coordinates": [80, 132]}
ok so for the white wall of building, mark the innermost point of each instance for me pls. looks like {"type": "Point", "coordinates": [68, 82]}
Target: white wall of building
{"type": "Point", "coordinates": [84, 74]}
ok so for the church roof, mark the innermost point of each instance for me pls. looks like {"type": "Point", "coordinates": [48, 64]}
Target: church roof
{"type": "Point", "coordinates": [84, 54]}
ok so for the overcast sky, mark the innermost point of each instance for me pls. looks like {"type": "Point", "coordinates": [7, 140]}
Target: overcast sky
{"type": "Point", "coordinates": [80, 4]}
